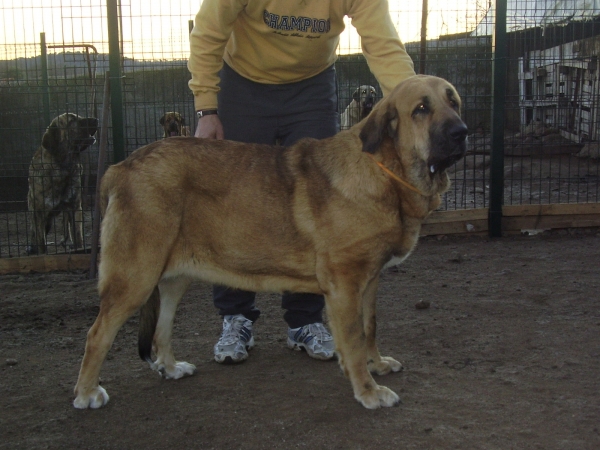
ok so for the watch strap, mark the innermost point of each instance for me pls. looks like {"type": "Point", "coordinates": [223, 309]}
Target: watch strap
{"type": "Point", "coordinates": [205, 112]}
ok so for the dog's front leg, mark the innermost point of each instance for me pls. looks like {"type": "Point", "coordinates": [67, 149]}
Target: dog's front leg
{"type": "Point", "coordinates": [67, 228]}
{"type": "Point", "coordinates": [381, 365]}
{"type": "Point", "coordinates": [345, 311]}
{"type": "Point", "coordinates": [77, 227]}
{"type": "Point", "coordinates": [39, 228]}
{"type": "Point", "coordinates": [73, 229]}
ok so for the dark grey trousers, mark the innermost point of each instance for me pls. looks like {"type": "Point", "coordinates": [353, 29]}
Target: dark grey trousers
{"type": "Point", "coordinates": [268, 114]}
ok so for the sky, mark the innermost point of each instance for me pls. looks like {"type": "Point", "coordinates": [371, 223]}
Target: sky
{"type": "Point", "coordinates": [158, 29]}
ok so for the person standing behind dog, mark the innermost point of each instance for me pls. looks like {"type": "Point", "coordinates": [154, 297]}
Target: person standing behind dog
{"type": "Point", "coordinates": [263, 72]}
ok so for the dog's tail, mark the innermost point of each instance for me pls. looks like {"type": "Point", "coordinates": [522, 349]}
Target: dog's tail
{"type": "Point", "coordinates": [148, 318]}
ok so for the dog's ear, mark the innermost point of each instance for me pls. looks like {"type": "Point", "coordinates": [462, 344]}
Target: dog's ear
{"type": "Point", "coordinates": [382, 122]}
{"type": "Point", "coordinates": [356, 95]}
{"type": "Point", "coordinates": [51, 137]}
{"type": "Point", "coordinates": [162, 119]}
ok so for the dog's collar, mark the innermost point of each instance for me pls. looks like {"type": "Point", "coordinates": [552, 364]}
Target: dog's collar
{"type": "Point", "coordinates": [396, 177]}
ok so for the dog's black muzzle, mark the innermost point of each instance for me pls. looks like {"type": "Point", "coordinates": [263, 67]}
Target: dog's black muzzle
{"type": "Point", "coordinates": [173, 128]}
{"type": "Point", "coordinates": [367, 107]}
{"type": "Point", "coordinates": [448, 147]}
{"type": "Point", "coordinates": [90, 125]}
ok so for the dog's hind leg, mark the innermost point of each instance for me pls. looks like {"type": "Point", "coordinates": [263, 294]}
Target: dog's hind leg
{"type": "Point", "coordinates": [122, 292]}
{"type": "Point", "coordinates": [381, 365]}
{"type": "Point", "coordinates": [170, 291]}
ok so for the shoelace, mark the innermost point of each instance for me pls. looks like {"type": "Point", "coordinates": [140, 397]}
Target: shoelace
{"type": "Point", "coordinates": [319, 331]}
{"type": "Point", "coordinates": [232, 329]}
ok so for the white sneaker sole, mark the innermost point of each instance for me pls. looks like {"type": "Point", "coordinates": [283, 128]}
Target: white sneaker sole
{"type": "Point", "coordinates": [226, 359]}
{"type": "Point", "coordinates": [298, 346]}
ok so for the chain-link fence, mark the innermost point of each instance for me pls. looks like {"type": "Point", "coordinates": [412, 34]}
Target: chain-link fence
{"type": "Point", "coordinates": [54, 56]}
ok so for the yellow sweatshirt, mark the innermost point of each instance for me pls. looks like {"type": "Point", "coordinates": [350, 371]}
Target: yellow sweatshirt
{"type": "Point", "coordinates": [284, 41]}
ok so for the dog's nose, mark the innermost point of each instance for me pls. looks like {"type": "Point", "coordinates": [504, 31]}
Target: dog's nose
{"type": "Point", "coordinates": [91, 125]}
{"type": "Point", "coordinates": [458, 132]}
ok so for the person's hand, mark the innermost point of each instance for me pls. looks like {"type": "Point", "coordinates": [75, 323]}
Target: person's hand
{"type": "Point", "coordinates": [209, 127]}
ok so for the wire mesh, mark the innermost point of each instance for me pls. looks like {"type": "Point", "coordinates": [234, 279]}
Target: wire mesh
{"type": "Point", "coordinates": [551, 119]}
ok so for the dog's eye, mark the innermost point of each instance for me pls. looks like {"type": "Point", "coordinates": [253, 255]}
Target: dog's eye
{"type": "Point", "coordinates": [454, 104]}
{"type": "Point", "coordinates": [421, 109]}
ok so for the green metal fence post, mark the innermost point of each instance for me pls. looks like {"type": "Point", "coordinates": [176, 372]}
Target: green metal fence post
{"type": "Point", "coordinates": [498, 102]}
{"type": "Point", "coordinates": [116, 92]}
{"type": "Point", "coordinates": [45, 80]}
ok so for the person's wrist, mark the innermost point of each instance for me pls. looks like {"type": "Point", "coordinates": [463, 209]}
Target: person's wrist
{"type": "Point", "coordinates": [205, 112]}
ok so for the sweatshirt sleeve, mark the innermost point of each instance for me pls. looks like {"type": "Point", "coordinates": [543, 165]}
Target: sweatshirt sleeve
{"type": "Point", "coordinates": [208, 39]}
{"type": "Point", "coordinates": [383, 50]}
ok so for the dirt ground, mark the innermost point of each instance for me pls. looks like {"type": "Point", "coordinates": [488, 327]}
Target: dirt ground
{"type": "Point", "coordinates": [507, 356]}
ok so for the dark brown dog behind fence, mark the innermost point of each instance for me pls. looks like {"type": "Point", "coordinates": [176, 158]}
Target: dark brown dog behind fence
{"type": "Point", "coordinates": [55, 180]}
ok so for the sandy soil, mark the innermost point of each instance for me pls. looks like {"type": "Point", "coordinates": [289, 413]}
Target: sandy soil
{"type": "Point", "coordinates": [506, 356]}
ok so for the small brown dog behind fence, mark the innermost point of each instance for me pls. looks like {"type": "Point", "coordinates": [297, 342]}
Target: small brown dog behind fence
{"type": "Point", "coordinates": [55, 180]}
{"type": "Point", "coordinates": [173, 124]}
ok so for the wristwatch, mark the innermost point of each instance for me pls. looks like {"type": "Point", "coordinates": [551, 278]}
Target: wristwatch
{"type": "Point", "coordinates": [205, 112]}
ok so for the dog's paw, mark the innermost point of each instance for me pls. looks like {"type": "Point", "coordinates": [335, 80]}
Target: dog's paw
{"type": "Point", "coordinates": [379, 397]}
{"type": "Point", "coordinates": [179, 370]}
{"type": "Point", "coordinates": [94, 399]}
{"type": "Point", "coordinates": [387, 397]}
{"type": "Point", "coordinates": [385, 366]}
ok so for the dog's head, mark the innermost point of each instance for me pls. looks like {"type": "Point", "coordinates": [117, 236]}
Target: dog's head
{"type": "Point", "coordinates": [69, 134]}
{"type": "Point", "coordinates": [421, 117]}
{"type": "Point", "coordinates": [365, 96]}
{"type": "Point", "coordinates": [173, 123]}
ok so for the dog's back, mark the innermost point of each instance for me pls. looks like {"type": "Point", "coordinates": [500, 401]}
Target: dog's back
{"type": "Point", "coordinates": [195, 190]}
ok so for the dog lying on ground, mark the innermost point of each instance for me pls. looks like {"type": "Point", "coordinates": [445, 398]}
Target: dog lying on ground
{"type": "Point", "coordinates": [360, 107]}
{"type": "Point", "coordinates": [322, 216]}
{"type": "Point", "coordinates": [173, 124]}
{"type": "Point", "coordinates": [55, 179]}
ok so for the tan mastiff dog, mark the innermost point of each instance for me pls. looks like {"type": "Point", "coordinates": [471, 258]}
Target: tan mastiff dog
{"type": "Point", "coordinates": [322, 216]}
{"type": "Point", "coordinates": [363, 100]}
{"type": "Point", "coordinates": [55, 179]}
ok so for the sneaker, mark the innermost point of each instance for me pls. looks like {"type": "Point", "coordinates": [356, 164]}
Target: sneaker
{"type": "Point", "coordinates": [235, 340]}
{"type": "Point", "coordinates": [313, 338]}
